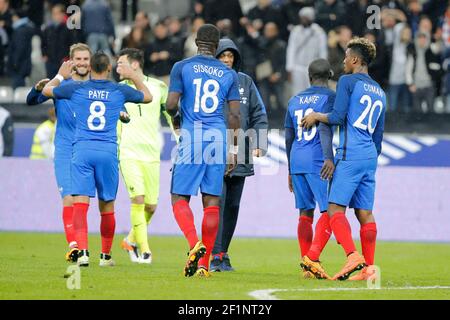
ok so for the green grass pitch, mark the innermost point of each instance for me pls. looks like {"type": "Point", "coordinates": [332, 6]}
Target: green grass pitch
{"type": "Point", "coordinates": [32, 267]}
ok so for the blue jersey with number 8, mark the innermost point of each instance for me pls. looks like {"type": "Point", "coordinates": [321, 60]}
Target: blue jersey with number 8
{"type": "Point", "coordinates": [97, 105]}
{"type": "Point", "coordinates": [205, 85]}
{"type": "Point", "coordinates": [359, 109]}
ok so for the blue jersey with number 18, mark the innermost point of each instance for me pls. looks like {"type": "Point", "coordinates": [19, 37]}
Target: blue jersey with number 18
{"type": "Point", "coordinates": [359, 109]}
{"type": "Point", "coordinates": [97, 105]}
{"type": "Point", "coordinates": [205, 85]}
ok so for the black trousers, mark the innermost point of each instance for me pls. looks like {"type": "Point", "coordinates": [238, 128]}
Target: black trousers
{"type": "Point", "coordinates": [134, 10]}
{"type": "Point", "coordinates": [229, 211]}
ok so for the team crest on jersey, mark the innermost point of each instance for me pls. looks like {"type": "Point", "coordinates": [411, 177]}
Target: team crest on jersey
{"type": "Point", "coordinates": [243, 99]}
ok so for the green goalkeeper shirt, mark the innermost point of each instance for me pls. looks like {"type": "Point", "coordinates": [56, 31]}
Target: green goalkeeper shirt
{"type": "Point", "coordinates": [140, 139]}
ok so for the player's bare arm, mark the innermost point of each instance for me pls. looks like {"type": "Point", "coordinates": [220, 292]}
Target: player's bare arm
{"type": "Point", "coordinates": [41, 84]}
{"type": "Point", "coordinates": [65, 72]}
{"type": "Point", "coordinates": [234, 122]}
{"type": "Point", "coordinates": [312, 118]}
{"type": "Point", "coordinates": [172, 104]}
{"type": "Point", "coordinates": [127, 72]}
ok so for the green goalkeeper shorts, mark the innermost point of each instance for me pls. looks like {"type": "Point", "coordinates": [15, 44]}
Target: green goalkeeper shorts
{"type": "Point", "coordinates": [141, 179]}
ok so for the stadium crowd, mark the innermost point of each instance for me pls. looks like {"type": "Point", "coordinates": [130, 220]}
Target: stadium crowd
{"type": "Point", "coordinates": [277, 38]}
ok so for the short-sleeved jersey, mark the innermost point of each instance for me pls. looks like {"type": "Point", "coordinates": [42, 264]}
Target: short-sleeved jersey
{"type": "Point", "coordinates": [97, 105]}
{"type": "Point", "coordinates": [140, 138]}
{"type": "Point", "coordinates": [361, 103]}
{"type": "Point", "coordinates": [306, 153]}
{"type": "Point", "coordinates": [65, 121]}
{"type": "Point", "coordinates": [205, 85]}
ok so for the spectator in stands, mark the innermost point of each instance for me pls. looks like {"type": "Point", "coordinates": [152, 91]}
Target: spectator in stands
{"type": "Point", "coordinates": [176, 31]}
{"type": "Point", "coordinates": [190, 48]}
{"type": "Point", "coordinates": [215, 10]}
{"type": "Point", "coordinates": [6, 133]}
{"type": "Point", "coordinates": [422, 72]}
{"type": "Point", "coordinates": [398, 94]}
{"type": "Point", "coordinates": [263, 13]}
{"type": "Point", "coordinates": [142, 21]}
{"type": "Point", "coordinates": [135, 39]}
{"type": "Point", "coordinates": [5, 31]}
{"type": "Point", "coordinates": [134, 9]}
{"type": "Point", "coordinates": [197, 8]}
{"type": "Point", "coordinates": [43, 147]}
{"type": "Point", "coordinates": [330, 14]}
{"type": "Point", "coordinates": [413, 13]}
{"type": "Point", "coordinates": [19, 49]}
{"type": "Point", "coordinates": [307, 42]}
{"type": "Point", "coordinates": [162, 53]}
{"type": "Point", "coordinates": [337, 45]}
{"type": "Point", "coordinates": [56, 41]}
{"type": "Point", "coordinates": [379, 68]}
{"type": "Point", "coordinates": [290, 10]}
{"type": "Point", "coordinates": [356, 16]}
{"type": "Point", "coordinates": [97, 25]}
{"type": "Point", "coordinates": [272, 81]}
{"type": "Point", "coordinates": [249, 46]}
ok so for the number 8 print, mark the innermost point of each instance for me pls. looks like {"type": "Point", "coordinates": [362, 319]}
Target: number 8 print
{"type": "Point", "coordinates": [97, 115]}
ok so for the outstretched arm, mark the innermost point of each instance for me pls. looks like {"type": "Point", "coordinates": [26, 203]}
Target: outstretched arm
{"type": "Point", "coordinates": [35, 96]}
{"type": "Point", "coordinates": [65, 71]}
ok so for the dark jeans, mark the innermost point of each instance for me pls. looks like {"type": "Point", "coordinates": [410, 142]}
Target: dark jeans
{"type": "Point", "coordinates": [229, 210]}
{"type": "Point", "coordinates": [423, 95]}
{"type": "Point", "coordinates": [266, 89]}
{"type": "Point", "coordinates": [399, 98]}
{"type": "Point", "coordinates": [52, 69]}
{"type": "Point", "coordinates": [134, 10]}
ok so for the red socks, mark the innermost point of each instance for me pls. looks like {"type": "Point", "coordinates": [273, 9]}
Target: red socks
{"type": "Point", "coordinates": [107, 229]}
{"type": "Point", "coordinates": [304, 233]}
{"type": "Point", "coordinates": [321, 236]}
{"type": "Point", "coordinates": [210, 226]}
{"type": "Point", "coordinates": [368, 234]}
{"type": "Point", "coordinates": [342, 231]}
{"type": "Point", "coordinates": [185, 219]}
{"type": "Point", "coordinates": [67, 216]}
{"type": "Point", "coordinates": [80, 224]}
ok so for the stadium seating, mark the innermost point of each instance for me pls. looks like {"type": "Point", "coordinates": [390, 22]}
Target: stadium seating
{"type": "Point", "coordinates": [6, 94]}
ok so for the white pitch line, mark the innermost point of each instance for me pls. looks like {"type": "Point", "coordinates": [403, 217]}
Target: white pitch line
{"type": "Point", "coordinates": [404, 143]}
{"type": "Point", "coordinates": [428, 140]}
{"type": "Point", "coordinates": [267, 294]}
{"type": "Point", "coordinates": [391, 151]}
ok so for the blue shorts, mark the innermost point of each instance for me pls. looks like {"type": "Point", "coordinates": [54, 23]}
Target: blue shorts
{"type": "Point", "coordinates": [62, 166]}
{"type": "Point", "coordinates": [353, 184]}
{"type": "Point", "coordinates": [95, 170]}
{"type": "Point", "coordinates": [309, 188]}
{"type": "Point", "coordinates": [195, 168]}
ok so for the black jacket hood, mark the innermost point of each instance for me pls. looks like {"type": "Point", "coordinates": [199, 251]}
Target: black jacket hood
{"type": "Point", "coordinates": [228, 44]}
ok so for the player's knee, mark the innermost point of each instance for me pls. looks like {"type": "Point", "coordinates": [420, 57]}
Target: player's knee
{"type": "Point", "coordinates": [138, 200]}
{"type": "Point", "coordinates": [68, 201]}
{"type": "Point", "coordinates": [150, 208]}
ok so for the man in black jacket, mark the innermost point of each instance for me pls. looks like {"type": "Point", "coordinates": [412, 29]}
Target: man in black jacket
{"type": "Point", "coordinates": [19, 50]}
{"type": "Point", "coordinates": [253, 116]}
{"type": "Point", "coordinates": [56, 41]}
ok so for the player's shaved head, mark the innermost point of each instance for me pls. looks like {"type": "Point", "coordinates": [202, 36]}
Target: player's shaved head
{"type": "Point", "coordinates": [100, 62]}
{"type": "Point", "coordinates": [208, 34]}
{"type": "Point", "coordinates": [320, 69]}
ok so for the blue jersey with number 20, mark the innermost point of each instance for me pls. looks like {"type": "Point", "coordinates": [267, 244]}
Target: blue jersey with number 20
{"type": "Point", "coordinates": [359, 109]}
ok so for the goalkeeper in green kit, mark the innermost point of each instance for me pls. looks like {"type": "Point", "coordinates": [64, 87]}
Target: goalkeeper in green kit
{"type": "Point", "coordinates": [139, 156]}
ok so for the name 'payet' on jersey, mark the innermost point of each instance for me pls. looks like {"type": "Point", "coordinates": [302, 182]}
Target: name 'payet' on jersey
{"type": "Point", "coordinates": [98, 94]}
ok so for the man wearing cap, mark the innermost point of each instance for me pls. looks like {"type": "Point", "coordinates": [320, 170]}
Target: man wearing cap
{"type": "Point", "coordinates": [306, 43]}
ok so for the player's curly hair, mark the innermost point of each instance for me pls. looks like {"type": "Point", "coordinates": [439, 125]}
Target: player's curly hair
{"type": "Point", "coordinates": [365, 49]}
{"type": "Point", "coordinates": [208, 34]}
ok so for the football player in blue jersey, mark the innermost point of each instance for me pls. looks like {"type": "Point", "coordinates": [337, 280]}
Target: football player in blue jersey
{"type": "Point", "coordinates": [80, 54]}
{"type": "Point", "coordinates": [204, 85]}
{"type": "Point", "coordinates": [359, 110]}
{"type": "Point", "coordinates": [97, 105]}
{"type": "Point", "coordinates": [310, 157]}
